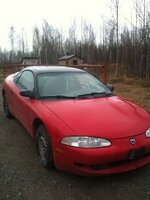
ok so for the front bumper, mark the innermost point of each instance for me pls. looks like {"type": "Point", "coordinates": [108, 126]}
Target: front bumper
{"type": "Point", "coordinates": [108, 160]}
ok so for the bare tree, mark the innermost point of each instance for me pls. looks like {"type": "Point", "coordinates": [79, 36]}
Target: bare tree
{"type": "Point", "coordinates": [36, 41]}
{"type": "Point", "coordinates": [12, 42]}
{"type": "Point", "coordinates": [114, 6]}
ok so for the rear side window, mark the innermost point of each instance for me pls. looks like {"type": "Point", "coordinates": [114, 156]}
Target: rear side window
{"type": "Point", "coordinates": [17, 76]}
{"type": "Point", "coordinates": [26, 81]}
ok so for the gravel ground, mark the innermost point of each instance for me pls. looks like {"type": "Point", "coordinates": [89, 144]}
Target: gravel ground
{"type": "Point", "coordinates": [23, 178]}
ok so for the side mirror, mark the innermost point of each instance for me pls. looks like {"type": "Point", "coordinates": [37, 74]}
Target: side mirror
{"type": "Point", "coordinates": [27, 93]}
{"type": "Point", "coordinates": [111, 87]}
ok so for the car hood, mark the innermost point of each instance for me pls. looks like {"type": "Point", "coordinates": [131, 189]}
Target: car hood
{"type": "Point", "coordinates": [110, 117]}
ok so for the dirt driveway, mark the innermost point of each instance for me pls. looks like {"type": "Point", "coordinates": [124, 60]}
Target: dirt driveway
{"type": "Point", "coordinates": [23, 178]}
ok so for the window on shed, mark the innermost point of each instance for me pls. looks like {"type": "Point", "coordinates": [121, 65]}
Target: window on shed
{"type": "Point", "coordinates": [75, 62]}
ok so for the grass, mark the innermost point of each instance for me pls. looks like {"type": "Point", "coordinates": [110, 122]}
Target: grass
{"type": "Point", "coordinates": [137, 91]}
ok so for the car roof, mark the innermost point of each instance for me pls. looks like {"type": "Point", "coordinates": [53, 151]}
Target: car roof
{"type": "Point", "coordinates": [47, 69]}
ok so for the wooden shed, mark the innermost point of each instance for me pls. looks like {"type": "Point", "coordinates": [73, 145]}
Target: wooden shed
{"type": "Point", "coordinates": [70, 60]}
{"type": "Point", "coordinates": [31, 61]}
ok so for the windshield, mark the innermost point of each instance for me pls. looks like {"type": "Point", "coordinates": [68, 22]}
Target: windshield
{"type": "Point", "coordinates": [69, 84]}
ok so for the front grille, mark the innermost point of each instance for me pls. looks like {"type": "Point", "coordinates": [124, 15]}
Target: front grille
{"type": "Point", "coordinates": [114, 164]}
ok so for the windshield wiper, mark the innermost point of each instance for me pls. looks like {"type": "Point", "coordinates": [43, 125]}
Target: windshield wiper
{"type": "Point", "coordinates": [88, 95]}
{"type": "Point", "coordinates": [57, 97]}
{"type": "Point", "coordinates": [94, 94]}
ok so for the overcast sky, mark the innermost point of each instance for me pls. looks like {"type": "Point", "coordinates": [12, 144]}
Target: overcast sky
{"type": "Point", "coordinates": [59, 13]}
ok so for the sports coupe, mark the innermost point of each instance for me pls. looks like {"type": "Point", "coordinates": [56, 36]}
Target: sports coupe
{"type": "Point", "coordinates": [78, 124]}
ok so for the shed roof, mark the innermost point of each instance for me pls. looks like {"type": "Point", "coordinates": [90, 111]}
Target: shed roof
{"type": "Point", "coordinates": [67, 57]}
{"type": "Point", "coordinates": [30, 58]}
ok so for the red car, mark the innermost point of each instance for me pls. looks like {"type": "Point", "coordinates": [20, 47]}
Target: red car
{"type": "Point", "coordinates": [78, 124]}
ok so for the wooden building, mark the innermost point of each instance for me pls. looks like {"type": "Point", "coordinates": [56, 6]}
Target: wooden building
{"type": "Point", "coordinates": [31, 61]}
{"type": "Point", "coordinates": [70, 60]}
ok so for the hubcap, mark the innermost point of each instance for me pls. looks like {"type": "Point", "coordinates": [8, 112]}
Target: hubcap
{"type": "Point", "coordinates": [43, 150]}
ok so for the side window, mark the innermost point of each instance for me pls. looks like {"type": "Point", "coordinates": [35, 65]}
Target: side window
{"type": "Point", "coordinates": [26, 81]}
{"type": "Point", "coordinates": [17, 76]}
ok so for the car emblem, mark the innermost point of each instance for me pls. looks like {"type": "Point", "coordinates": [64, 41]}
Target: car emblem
{"type": "Point", "coordinates": [132, 141]}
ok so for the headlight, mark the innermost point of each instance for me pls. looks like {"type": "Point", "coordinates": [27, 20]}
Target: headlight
{"type": "Point", "coordinates": [85, 142]}
{"type": "Point", "coordinates": [148, 133]}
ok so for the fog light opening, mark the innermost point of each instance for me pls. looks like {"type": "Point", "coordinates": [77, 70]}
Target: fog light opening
{"type": "Point", "coordinates": [79, 164]}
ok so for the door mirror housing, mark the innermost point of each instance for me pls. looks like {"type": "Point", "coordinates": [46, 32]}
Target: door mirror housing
{"type": "Point", "coordinates": [27, 93]}
{"type": "Point", "coordinates": [111, 87]}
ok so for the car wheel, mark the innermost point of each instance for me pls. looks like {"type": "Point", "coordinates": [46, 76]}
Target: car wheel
{"type": "Point", "coordinates": [7, 113]}
{"type": "Point", "coordinates": [44, 147]}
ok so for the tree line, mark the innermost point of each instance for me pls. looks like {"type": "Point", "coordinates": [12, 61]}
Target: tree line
{"type": "Point", "coordinates": [127, 48]}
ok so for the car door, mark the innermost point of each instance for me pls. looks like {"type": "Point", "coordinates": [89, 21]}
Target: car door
{"type": "Point", "coordinates": [22, 104]}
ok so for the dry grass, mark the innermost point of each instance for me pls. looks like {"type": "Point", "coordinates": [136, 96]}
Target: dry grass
{"type": "Point", "coordinates": [136, 90]}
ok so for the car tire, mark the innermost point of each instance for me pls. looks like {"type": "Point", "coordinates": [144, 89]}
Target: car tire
{"type": "Point", "coordinates": [44, 147]}
{"type": "Point", "coordinates": [7, 113]}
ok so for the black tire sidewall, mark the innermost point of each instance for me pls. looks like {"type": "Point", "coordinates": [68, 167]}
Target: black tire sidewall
{"type": "Point", "coordinates": [41, 131]}
{"type": "Point", "coordinates": [6, 112]}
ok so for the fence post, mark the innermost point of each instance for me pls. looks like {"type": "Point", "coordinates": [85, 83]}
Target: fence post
{"type": "Point", "coordinates": [105, 73]}
{"type": "Point", "coordinates": [3, 71]}
{"type": "Point", "coordinates": [11, 69]}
